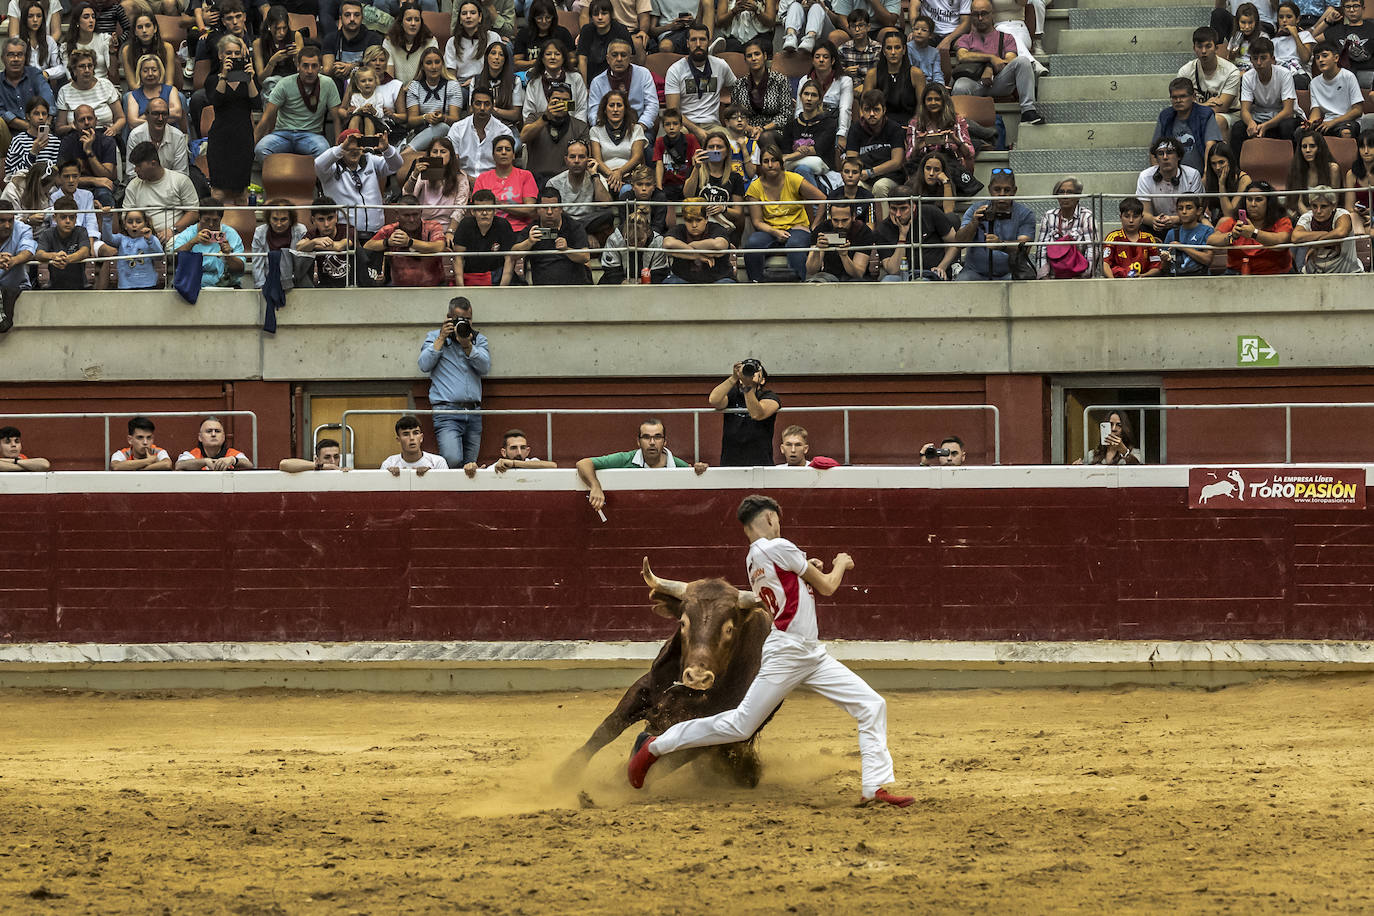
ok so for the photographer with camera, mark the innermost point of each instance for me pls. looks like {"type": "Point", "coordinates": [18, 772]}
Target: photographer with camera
{"type": "Point", "coordinates": [219, 244]}
{"type": "Point", "coordinates": [746, 438]}
{"type": "Point", "coordinates": [950, 453]}
{"type": "Point", "coordinates": [456, 358]}
{"type": "Point", "coordinates": [1004, 225]}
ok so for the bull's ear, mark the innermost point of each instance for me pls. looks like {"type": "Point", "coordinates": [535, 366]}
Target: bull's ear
{"type": "Point", "coordinates": [748, 600]}
{"type": "Point", "coordinates": [666, 605]}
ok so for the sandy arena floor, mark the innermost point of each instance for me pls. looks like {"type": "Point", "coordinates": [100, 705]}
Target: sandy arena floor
{"type": "Point", "coordinates": [1253, 798]}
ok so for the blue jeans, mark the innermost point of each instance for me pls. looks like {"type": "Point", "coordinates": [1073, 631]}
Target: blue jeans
{"type": "Point", "coordinates": [394, 7]}
{"type": "Point", "coordinates": [459, 435]}
{"type": "Point", "coordinates": [291, 141]}
{"type": "Point", "coordinates": [796, 259]}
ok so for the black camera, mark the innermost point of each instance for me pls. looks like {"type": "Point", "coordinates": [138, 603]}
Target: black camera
{"type": "Point", "coordinates": [462, 329]}
{"type": "Point", "coordinates": [932, 453]}
{"type": "Point", "coordinates": [750, 368]}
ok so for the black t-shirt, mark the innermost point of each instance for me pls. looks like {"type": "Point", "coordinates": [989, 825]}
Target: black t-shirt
{"type": "Point", "coordinates": [555, 268]}
{"type": "Point", "coordinates": [106, 152]}
{"type": "Point", "coordinates": [210, 44]}
{"type": "Point", "coordinates": [814, 138]}
{"type": "Point", "coordinates": [331, 268]}
{"type": "Point", "coordinates": [593, 46]}
{"type": "Point", "coordinates": [863, 212]}
{"type": "Point", "coordinates": [694, 271]}
{"type": "Point", "coordinates": [935, 225]}
{"type": "Point", "coordinates": [875, 149]}
{"type": "Point", "coordinates": [527, 45]}
{"type": "Point", "coordinates": [744, 441]}
{"type": "Point", "coordinates": [859, 235]}
{"type": "Point", "coordinates": [500, 237]}
{"type": "Point", "coordinates": [73, 276]}
{"type": "Point", "coordinates": [1356, 43]}
{"type": "Point", "coordinates": [350, 50]}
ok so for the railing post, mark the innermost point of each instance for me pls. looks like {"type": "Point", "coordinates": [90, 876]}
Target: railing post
{"type": "Point", "coordinates": [548, 434]}
{"type": "Point", "coordinates": [1288, 434]}
{"type": "Point", "coordinates": [845, 413]}
{"type": "Point", "coordinates": [106, 453]}
{"type": "Point", "coordinates": [696, 437]}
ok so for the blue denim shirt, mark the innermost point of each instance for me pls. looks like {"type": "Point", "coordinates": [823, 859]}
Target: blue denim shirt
{"type": "Point", "coordinates": [14, 98]}
{"type": "Point", "coordinates": [455, 376]}
{"type": "Point", "coordinates": [21, 239]}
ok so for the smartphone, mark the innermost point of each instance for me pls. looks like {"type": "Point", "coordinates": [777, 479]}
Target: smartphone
{"type": "Point", "coordinates": [1242, 216]}
{"type": "Point", "coordinates": [715, 155]}
{"type": "Point", "coordinates": [833, 238]}
{"type": "Point", "coordinates": [217, 236]}
{"type": "Point", "coordinates": [536, 233]}
{"type": "Point", "coordinates": [1104, 429]}
{"type": "Point", "coordinates": [369, 142]}
{"type": "Point", "coordinates": [434, 162]}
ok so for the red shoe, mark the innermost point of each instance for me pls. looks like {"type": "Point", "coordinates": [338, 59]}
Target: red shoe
{"type": "Point", "coordinates": [882, 796]}
{"type": "Point", "coordinates": [642, 759]}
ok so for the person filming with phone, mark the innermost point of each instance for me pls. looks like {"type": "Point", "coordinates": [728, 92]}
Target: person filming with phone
{"type": "Point", "coordinates": [219, 244]}
{"type": "Point", "coordinates": [456, 358]}
{"type": "Point", "coordinates": [747, 428]}
{"type": "Point", "coordinates": [1116, 442]}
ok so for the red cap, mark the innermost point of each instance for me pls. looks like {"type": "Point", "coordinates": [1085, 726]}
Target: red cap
{"type": "Point", "coordinates": [822, 463]}
{"type": "Point", "coordinates": [351, 132]}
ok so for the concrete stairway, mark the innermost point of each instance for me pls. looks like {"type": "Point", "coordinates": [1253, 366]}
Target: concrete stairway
{"type": "Point", "coordinates": [1110, 65]}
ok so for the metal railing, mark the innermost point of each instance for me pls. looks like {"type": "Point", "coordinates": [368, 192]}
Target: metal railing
{"type": "Point", "coordinates": [1286, 406]}
{"type": "Point", "coordinates": [107, 417]}
{"type": "Point", "coordinates": [695, 412]}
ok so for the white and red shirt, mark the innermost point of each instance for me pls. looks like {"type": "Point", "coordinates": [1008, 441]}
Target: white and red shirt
{"type": "Point", "coordinates": [775, 574]}
{"type": "Point", "coordinates": [127, 454]}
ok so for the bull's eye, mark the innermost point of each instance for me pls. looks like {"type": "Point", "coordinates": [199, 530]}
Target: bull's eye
{"type": "Point", "coordinates": [728, 630]}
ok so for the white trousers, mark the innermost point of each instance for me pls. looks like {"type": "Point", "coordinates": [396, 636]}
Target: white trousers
{"type": "Point", "coordinates": [789, 663]}
{"type": "Point", "coordinates": [814, 19]}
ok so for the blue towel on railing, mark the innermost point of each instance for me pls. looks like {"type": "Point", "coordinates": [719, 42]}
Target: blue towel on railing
{"type": "Point", "coordinates": [272, 291]}
{"type": "Point", "coordinates": [187, 279]}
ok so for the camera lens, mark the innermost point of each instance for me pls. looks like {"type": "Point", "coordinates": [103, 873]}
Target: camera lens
{"type": "Point", "coordinates": [749, 368]}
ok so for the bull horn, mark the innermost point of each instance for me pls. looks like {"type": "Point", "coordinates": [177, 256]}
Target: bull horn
{"type": "Point", "coordinates": [667, 586]}
{"type": "Point", "coordinates": [749, 600]}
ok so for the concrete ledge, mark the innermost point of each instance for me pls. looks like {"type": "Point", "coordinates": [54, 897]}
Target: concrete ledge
{"type": "Point", "coordinates": [891, 328]}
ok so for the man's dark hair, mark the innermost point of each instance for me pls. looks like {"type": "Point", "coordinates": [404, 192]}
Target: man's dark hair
{"type": "Point", "coordinates": [482, 90]}
{"type": "Point", "coordinates": [1203, 35]}
{"type": "Point", "coordinates": [549, 192]}
{"type": "Point", "coordinates": [309, 50]}
{"type": "Point", "coordinates": [654, 421]}
{"type": "Point", "coordinates": [930, 23]}
{"type": "Point", "coordinates": [408, 200]}
{"type": "Point", "coordinates": [142, 423]}
{"type": "Point", "coordinates": [561, 89]}
{"type": "Point", "coordinates": [75, 163]}
{"type": "Point", "coordinates": [696, 25]}
{"type": "Point", "coordinates": [231, 6]}
{"type": "Point", "coordinates": [845, 204]}
{"type": "Point", "coordinates": [9, 432]}
{"type": "Point", "coordinates": [873, 98]}
{"type": "Point", "coordinates": [512, 434]}
{"type": "Point", "coordinates": [668, 113]}
{"type": "Point", "coordinates": [1180, 82]}
{"type": "Point", "coordinates": [483, 196]}
{"type": "Point", "coordinates": [1262, 45]}
{"type": "Point", "coordinates": [1190, 199]}
{"type": "Point", "coordinates": [1326, 46]}
{"type": "Point", "coordinates": [1131, 205]}
{"type": "Point", "coordinates": [409, 421]}
{"type": "Point", "coordinates": [35, 101]}
{"type": "Point", "coordinates": [6, 206]}
{"type": "Point", "coordinates": [858, 14]}
{"type": "Point", "coordinates": [326, 443]}
{"type": "Point", "coordinates": [143, 152]}
{"type": "Point", "coordinates": [211, 206]}
{"type": "Point", "coordinates": [357, 3]}
{"type": "Point", "coordinates": [955, 439]}
{"type": "Point", "coordinates": [66, 203]}
{"type": "Point", "coordinates": [751, 507]}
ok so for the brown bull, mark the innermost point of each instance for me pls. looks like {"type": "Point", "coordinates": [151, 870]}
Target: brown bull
{"type": "Point", "coordinates": [704, 668]}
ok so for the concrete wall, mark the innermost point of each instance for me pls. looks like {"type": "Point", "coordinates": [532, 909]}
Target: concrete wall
{"type": "Point", "coordinates": [665, 332]}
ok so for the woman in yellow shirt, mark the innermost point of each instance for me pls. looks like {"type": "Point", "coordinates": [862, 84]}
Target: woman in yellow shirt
{"type": "Point", "coordinates": [783, 223]}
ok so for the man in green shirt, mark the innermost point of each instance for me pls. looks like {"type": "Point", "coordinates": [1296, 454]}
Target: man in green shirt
{"type": "Point", "coordinates": [652, 453]}
{"type": "Point", "coordinates": [293, 116]}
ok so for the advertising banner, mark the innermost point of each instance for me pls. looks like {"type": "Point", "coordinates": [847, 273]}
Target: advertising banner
{"type": "Point", "coordinates": [1276, 488]}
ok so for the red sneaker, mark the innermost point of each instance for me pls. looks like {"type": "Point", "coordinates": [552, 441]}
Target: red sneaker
{"type": "Point", "coordinates": [882, 796]}
{"type": "Point", "coordinates": [642, 759]}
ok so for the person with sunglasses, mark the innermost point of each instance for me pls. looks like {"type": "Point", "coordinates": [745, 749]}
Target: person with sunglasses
{"type": "Point", "coordinates": [1000, 226]}
{"type": "Point", "coordinates": [1160, 185]}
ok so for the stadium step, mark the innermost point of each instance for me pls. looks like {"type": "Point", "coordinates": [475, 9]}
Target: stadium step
{"type": "Point", "coordinates": [1111, 65]}
{"type": "Point", "coordinates": [1085, 136]}
{"type": "Point", "coordinates": [1041, 185]}
{"type": "Point", "coordinates": [1080, 161]}
{"type": "Point", "coordinates": [1125, 87]}
{"type": "Point", "coordinates": [1094, 112]}
{"type": "Point", "coordinates": [1189, 17]}
{"type": "Point", "coordinates": [1130, 5]}
{"type": "Point", "coordinates": [1125, 41]}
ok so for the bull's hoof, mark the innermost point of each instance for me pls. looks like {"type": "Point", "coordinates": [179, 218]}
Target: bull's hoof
{"type": "Point", "coordinates": [743, 766]}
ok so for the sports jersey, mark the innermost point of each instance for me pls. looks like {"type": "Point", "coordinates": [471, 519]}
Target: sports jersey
{"type": "Point", "coordinates": [126, 454]}
{"type": "Point", "coordinates": [1140, 256]}
{"type": "Point", "coordinates": [775, 574]}
{"type": "Point", "coordinates": [426, 460]}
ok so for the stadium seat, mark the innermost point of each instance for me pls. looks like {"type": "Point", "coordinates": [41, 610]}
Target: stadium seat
{"type": "Point", "coordinates": [172, 30]}
{"type": "Point", "coordinates": [976, 108]}
{"type": "Point", "coordinates": [792, 65]}
{"type": "Point", "coordinates": [1304, 102]}
{"type": "Point", "coordinates": [568, 19]}
{"type": "Point", "coordinates": [440, 24]}
{"type": "Point", "coordinates": [245, 223]}
{"type": "Point", "coordinates": [207, 117]}
{"type": "Point", "coordinates": [304, 22]}
{"type": "Point", "coordinates": [738, 65]}
{"type": "Point", "coordinates": [659, 62]}
{"type": "Point", "coordinates": [1267, 159]}
{"type": "Point", "coordinates": [1343, 150]}
{"type": "Point", "coordinates": [289, 175]}
{"type": "Point", "coordinates": [202, 73]}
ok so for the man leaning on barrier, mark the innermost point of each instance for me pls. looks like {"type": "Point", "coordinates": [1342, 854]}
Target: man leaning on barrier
{"type": "Point", "coordinates": [515, 453]}
{"type": "Point", "coordinates": [652, 453]}
{"type": "Point", "coordinates": [12, 457]}
{"type": "Point", "coordinates": [456, 357]}
{"type": "Point", "coordinates": [328, 457]}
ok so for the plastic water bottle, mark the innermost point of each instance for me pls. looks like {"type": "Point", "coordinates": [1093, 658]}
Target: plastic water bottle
{"type": "Point", "coordinates": [906, 268]}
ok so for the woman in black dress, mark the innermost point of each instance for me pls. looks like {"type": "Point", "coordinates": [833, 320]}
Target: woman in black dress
{"type": "Point", "coordinates": [230, 140]}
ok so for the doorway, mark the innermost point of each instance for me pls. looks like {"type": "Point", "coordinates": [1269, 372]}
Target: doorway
{"type": "Point", "coordinates": [1071, 395]}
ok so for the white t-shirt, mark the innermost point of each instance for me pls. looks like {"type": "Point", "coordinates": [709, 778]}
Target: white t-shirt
{"type": "Point", "coordinates": [1266, 99]}
{"type": "Point", "coordinates": [775, 571]}
{"type": "Point", "coordinates": [699, 100]}
{"type": "Point", "coordinates": [464, 58]}
{"type": "Point", "coordinates": [1336, 97]}
{"type": "Point", "coordinates": [1338, 257]}
{"type": "Point", "coordinates": [126, 454]}
{"type": "Point", "coordinates": [433, 462]}
{"type": "Point", "coordinates": [1225, 79]}
{"type": "Point", "coordinates": [617, 154]}
{"type": "Point", "coordinates": [1146, 188]}
{"type": "Point", "coordinates": [946, 13]}
{"type": "Point", "coordinates": [1286, 50]}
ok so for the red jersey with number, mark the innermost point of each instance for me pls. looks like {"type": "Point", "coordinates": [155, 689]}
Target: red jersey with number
{"type": "Point", "coordinates": [1139, 256]}
{"type": "Point", "coordinates": [775, 568]}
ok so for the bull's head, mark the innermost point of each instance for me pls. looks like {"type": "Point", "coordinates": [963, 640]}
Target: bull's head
{"type": "Point", "coordinates": [710, 613]}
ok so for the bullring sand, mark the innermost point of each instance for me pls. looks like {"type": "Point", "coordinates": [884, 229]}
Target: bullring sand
{"type": "Point", "coordinates": [1257, 798]}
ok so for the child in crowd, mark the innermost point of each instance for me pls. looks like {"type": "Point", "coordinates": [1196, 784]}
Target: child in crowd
{"type": "Point", "coordinates": [673, 152]}
{"type": "Point", "coordinates": [1293, 45]}
{"type": "Point", "coordinates": [617, 261]}
{"type": "Point", "coordinates": [744, 149]}
{"type": "Point", "coordinates": [925, 56]}
{"type": "Point", "coordinates": [364, 107]}
{"type": "Point", "coordinates": [851, 171]}
{"type": "Point", "coordinates": [412, 457]}
{"type": "Point", "coordinates": [860, 52]}
{"type": "Point", "coordinates": [660, 216]}
{"type": "Point", "coordinates": [281, 233]}
{"type": "Point", "coordinates": [1247, 30]}
{"type": "Point", "coordinates": [1337, 100]}
{"type": "Point", "coordinates": [137, 240]}
{"type": "Point", "coordinates": [328, 240]}
{"type": "Point", "coordinates": [64, 247]}
{"type": "Point", "coordinates": [1131, 251]}
{"type": "Point", "coordinates": [1193, 259]}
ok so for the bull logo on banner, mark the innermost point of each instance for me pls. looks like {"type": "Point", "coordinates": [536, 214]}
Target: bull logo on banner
{"type": "Point", "coordinates": [1233, 486]}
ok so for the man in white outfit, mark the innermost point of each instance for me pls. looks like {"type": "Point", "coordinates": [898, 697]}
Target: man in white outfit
{"type": "Point", "coordinates": [793, 656]}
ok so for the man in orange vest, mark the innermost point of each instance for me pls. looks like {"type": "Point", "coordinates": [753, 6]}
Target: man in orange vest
{"type": "Point", "coordinates": [212, 453]}
{"type": "Point", "coordinates": [12, 457]}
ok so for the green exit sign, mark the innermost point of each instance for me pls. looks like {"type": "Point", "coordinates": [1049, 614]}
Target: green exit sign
{"type": "Point", "coordinates": [1255, 351]}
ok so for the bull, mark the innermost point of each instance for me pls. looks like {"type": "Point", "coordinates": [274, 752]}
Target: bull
{"type": "Point", "coordinates": [704, 668]}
